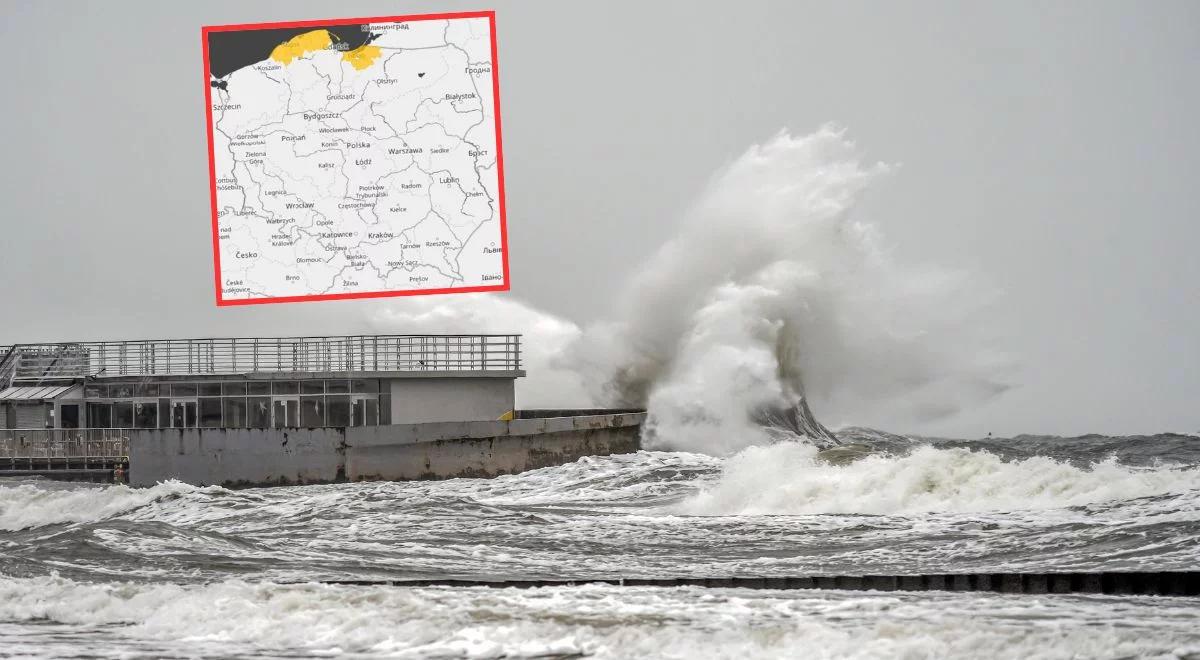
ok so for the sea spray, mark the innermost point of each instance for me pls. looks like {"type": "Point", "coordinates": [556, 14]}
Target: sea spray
{"type": "Point", "coordinates": [772, 289]}
{"type": "Point", "coordinates": [769, 290]}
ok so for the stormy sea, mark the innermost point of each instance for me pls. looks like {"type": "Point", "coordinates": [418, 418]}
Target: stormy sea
{"type": "Point", "coordinates": [771, 290]}
{"type": "Point", "coordinates": [102, 571]}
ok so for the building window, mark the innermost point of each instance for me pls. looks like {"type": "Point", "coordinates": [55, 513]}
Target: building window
{"type": "Point", "coordinates": [312, 412]}
{"type": "Point", "coordinates": [241, 404]}
{"type": "Point", "coordinates": [365, 412]}
{"type": "Point", "coordinates": [337, 409]}
{"type": "Point", "coordinates": [285, 387]}
{"type": "Point", "coordinates": [312, 387]}
{"type": "Point", "coordinates": [258, 411]}
{"type": "Point", "coordinates": [145, 414]}
{"type": "Point", "coordinates": [69, 416]}
{"type": "Point", "coordinates": [99, 415]}
{"type": "Point", "coordinates": [183, 414]}
{"type": "Point", "coordinates": [123, 415]}
{"type": "Point", "coordinates": [287, 413]}
{"type": "Point", "coordinates": [235, 412]}
{"type": "Point", "coordinates": [337, 386]}
{"type": "Point", "coordinates": [210, 412]}
{"type": "Point", "coordinates": [364, 386]}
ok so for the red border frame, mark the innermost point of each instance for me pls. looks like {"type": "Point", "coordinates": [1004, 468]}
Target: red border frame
{"type": "Point", "coordinates": [212, 163]}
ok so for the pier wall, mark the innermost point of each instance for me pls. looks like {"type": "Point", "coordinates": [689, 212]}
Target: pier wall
{"type": "Point", "coordinates": [435, 450]}
{"type": "Point", "coordinates": [443, 398]}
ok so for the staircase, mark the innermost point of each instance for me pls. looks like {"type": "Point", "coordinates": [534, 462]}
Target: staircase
{"type": "Point", "coordinates": [9, 358]}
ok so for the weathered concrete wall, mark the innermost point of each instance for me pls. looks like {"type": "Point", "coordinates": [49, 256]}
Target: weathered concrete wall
{"type": "Point", "coordinates": [441, 399]}
{"type": "Point", "coordinates": [485, 449]}
{"type": "Point", "coordinates": [235, 457]}
{"type": "Point", "coordinates": [437, 450]}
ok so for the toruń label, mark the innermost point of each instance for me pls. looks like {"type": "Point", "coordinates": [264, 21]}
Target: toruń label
{"type": "Point", "coordinates": [356, 159]}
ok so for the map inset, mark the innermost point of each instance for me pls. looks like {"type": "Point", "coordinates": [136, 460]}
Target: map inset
{"type": "Point", "coordinates": [355, 158]}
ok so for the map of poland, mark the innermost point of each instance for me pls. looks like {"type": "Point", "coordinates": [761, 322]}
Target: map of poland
{"type": "Point", "coordinates": [355, 158]}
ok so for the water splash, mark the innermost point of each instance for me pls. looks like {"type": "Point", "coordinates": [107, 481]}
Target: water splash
{"type": "Point", "coordinates": [769, 291]}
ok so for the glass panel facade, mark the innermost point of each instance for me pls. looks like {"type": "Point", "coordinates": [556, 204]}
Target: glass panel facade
{"type": "Point", "coordinates": [364, 386]}
{"type": "Point", "coordinates": [210, 412]}
{"type": "Point", "coordinates": [286, 412]}
{"type": "Point", "coordinates": [312, 387]}
{"type": "Point", "coordinates": [337, 411]}
{"type": "Point", "coordinates": [238, 404]}
{"type": "Point", "coordinates": [258, 412]}
{"type": "Point", "coordinates": [235, 412]}
{"type": "Point", "coordinates": [312, 411]}
{"type": "Point", "coordinates": [123, 415]}
{"type": "Point", "coordinates": [337, 387]}
{"type": "Point", "coordinates": [145, 414]}
{"type": "Point", "coordinates": [99, 415]}
{"type": "Point", "coordinates": [178, 419]}
{"type": "Point", "coordinates": [285, 387]}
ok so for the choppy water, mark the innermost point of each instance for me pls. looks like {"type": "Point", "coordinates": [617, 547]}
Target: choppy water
{"type": "Point", "coordinates": [176, 570]}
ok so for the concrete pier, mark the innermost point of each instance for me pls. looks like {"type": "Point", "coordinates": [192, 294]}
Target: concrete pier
{"type": "Point", "coordinates": [436, 450]}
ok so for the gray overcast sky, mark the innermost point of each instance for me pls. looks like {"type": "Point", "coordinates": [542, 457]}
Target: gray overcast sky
{"type": "Point", "coordinates": [1049, 148]}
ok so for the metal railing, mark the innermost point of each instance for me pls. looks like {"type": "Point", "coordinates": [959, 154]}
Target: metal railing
{"type": "Point", "coordinates": [357, 353]}
{"type": "Point", "coordinates": [64, 443]}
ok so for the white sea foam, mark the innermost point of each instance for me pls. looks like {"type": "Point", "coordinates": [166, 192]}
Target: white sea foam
{"type": "Point", "coordinates": [27, 505]}
{"type": "Point", "coordinates": [605, 622]}
{"type": "Point", "coordinates": [788, 478]}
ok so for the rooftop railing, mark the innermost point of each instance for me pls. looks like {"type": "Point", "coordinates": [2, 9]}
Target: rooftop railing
{"type": "Point", "coordinates": [26, 363]}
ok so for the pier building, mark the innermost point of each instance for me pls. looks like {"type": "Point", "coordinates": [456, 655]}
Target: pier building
{"type": "Point", "coordinates": [286, 410]}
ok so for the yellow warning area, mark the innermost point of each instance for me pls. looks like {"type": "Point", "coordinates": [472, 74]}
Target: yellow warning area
{"type": "Point", "coordinates": [508, 416]}
{"type": "Point", "coordinates": [362, 57]}
{"type": "Point", "coordinates": [300, 44]}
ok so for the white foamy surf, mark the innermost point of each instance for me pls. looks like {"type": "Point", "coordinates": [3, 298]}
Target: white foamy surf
{"type": "Point", "coordinates": [28, 505]}
{"type": "Point", "coordinates": [789, 478]}
{"type": "Point", "coordinates": [271, 620]}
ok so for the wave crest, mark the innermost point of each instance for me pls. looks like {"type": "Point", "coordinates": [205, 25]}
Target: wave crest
{"type": "Point", "coordinates": [789, 479]}
{"type": "Point", "coordinates": [27, 506]}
